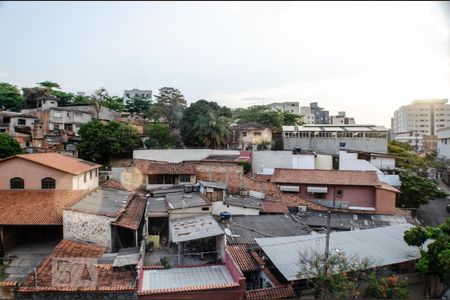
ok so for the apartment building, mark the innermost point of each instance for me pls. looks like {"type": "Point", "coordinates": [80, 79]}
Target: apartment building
{"type": "Point", "coordinates": [292, 107]}
{"type": "Point", "coordinates": [419, 121]}
{"type": "Point", "coordinates": [341, 118]}
{"type": "Point", "coordinates": [313, 114]}
{"type": "Point", "coordinates": [130, 94]}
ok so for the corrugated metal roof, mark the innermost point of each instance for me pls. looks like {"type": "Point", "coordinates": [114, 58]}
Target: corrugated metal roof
{"type": "Point", "coordinates": [188, 229]}
{"type": "Point", "coordinates": [182, 200]}
{"type": "Point", "coordinates": [180, 279]}
{"type": "Point", "coordinates": [214, 184]}
{"type": "Point", "coordinates": [382, 246]}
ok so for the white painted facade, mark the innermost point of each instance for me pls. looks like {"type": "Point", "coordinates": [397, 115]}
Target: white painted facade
{"type": "Point", "coordinates": [219, 206]}
{"type": "Point", "coordinates": [443, 143]}
{"type": "Point", "coordinates": [86, 181]}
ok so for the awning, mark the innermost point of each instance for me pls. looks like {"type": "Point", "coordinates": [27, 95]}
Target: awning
{"type": "Point", "coordinates": [289, 188]}
{"type": "Point", "coordinates": [316, 189]}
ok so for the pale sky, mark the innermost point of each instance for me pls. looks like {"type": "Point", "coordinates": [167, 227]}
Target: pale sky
{"type": "Point", "coordinates": [365, 58]}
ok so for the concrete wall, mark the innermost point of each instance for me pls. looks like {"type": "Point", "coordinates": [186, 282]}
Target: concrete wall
{"type": "Point", "coordinates": [384, 163]}
{"type": "Point", "coordinates": [385, 201]}
{"type": "Point", "coordinates": [303, 162]}
{"type": "Point", "coordinates": [354, 195]}
{"type": "Point", "coordinates": [331, 145]}
{"type": "Point", "coordinates": [32, 173]}
{"type": "Point", "coordinates": [324, 162]}
{"type": "Point", "coordinates": [230, 174]}
{"type": "Point", "coordinates": [219, 206]}
{"type": "Point", "coordinates": [91, 181]}
{"type": "Point", "coordinates": [443, 143]}
{"type": "Point", "coordinates": [265, 135]}
{"type": "Point", "coordinates": [271, 159]}
{"type": "Point", "coordinates": [88, 228]}
{"type": "Point", "coordinates": [189, 212]}
{"type": "Point", "coordinates": [177, 182]}
{"type": "Point", "coordinates": [178, 155]}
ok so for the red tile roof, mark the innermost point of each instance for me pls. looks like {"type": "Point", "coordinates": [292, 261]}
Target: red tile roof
{"type": "Point", "coordinates": [242, 257]}
{"type": "Point", "coordinates": [132, 215]}
{"type": "Point", "coordinates": [263, 177]}
{"type": "Point", "coordinates": [107, 279]}
{"type": "Point", "coordinates": [274, 207]}
{"type": "Point", "coordinates": [280, 292]}
{"type": "Point", "coordinates": [169, 168]}
{"type": "Point", "coordinates": [8, 283]}
{"type": "Point", "coordinates": [36, 207]}
{"type": "Point", "coordinates": [59, 162]}
{"type": "Point", "coordinates": [331, 177]}
{"type": "Point", "coordinates": [387, 187]}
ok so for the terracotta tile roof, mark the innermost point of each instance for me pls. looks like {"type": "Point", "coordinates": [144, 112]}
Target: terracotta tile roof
{"type": "Point", "coordinates": [131, 217]}
{"type": "Point", "coordinates": [59, 162]}
{"type": "Point", "coordinates": [107, 279]}
{"type": "Point", "coordinates": [169, 168]}
{"type": "Point", "coordinates": [242, 257]}
{"type": "Point", "coordinates": [113, 184]}
{"type": "Point", "coordinates": [8, 283]}
{"type": "Point", "coordinates": [154, 267]}
{"type": "Point", "coordinates": [263, 177]}
{"type": "Point", "coordinates": [36, 207]}
{"type": "Point", "coordinates": [205, 287]}
{"type": "Point", "coordinates": [280, 292]}
{"type": "Point", "coordinates": [274, 207]}
{"type": "Point", "coordinates": [332, 177]}
{"type": "Point", "coordinates": [388, 187]}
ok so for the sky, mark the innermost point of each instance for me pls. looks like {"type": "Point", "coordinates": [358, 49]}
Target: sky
{"type": "Point", "coordinates": [365, 58]}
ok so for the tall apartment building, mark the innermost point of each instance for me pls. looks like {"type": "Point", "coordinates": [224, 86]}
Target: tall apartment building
{"type": "Point", "coordinates": [313, 114]}
{"type": "Point", "coordinates": [419, 121]}
{"type": "Point", "coordinates": [130, 94]}
{"type": "Point", "coordinates": [292, 107]}
{"type": "Point", "coordinates": [341, 118]}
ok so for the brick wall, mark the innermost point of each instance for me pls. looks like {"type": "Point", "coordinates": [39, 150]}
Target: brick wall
{"type": "Point", "coordinates": [230, 174]}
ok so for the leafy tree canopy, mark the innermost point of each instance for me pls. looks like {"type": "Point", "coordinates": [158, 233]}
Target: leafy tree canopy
{"type": "Point", "coordinates": [114, 103]}
{"type": "Point", "coordinates": [417, 190]}
{"type": "Point", "coordinates": [212, 130]}
{"type": "Point", "coordinates": [264, 115]}
{"type": "Point", "coordinates": [435, 256]}
{"type": "Point", "coordinates": [139, 105]}
{"type": "Point", "coordinates": [10, 97]}
{"type": "Point", "coordinates": [49, 84]}
{"type": "Point", "coordinates": [160, 137]}
{"type": "Point", "coordinates": [8, 146]}
{"type": "Point", "coordinates": [202, 107]}
{"type": "Point", "coordinates": [170, 104]}
{"type": "Point", "coordinates": [100, 142]}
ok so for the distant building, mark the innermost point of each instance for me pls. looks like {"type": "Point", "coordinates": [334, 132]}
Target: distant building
{"type": "Point", "coordinates": [341, 118]}
{"type": "Point", "coordinates": [130, 94]}
{"type": "Point", "coordinates": [420, 120]}
{"type": "Point", "coordinates": [292, 107]}
{"type": "Point", "coordinates": [329, 139]}
{"type": "Point", "coordinates": [250, 135]}
{"type": "Point", "coordinates": [313, 114]}
{"type": "Point", "coordinates": [443, 143]}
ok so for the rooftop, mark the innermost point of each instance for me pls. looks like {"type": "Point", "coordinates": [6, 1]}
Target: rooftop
{"type": "Point", "coordinates": [244, 201]}
{"type": "Point", "coordinates": [223, 157]}
{"type": "Point", "coordinates": [382, 246]}
{"type": "Point", "coordinates": [182, 200]}
{"type": "Point", "coordinates": [326, 177]}
{"type": "Point", "coordinates": [220, 185]}
{"type": "Point", "coordinates": [243, 258]}
{"type": "Point", "coordinates": [156, 207]}
{"type": "Point", "coordinates": [279, 292]}
{"type": "Point", "coordinates": [85, 257]}
{"type": "Point", "coordinates": [188, 229]}
{"type": "Point", "coordinates": [132, 216]}
{"type": "Point", "coordinates": [169, 168]}
{"type": "Point", "coordinates": [38, 207]}
{"type": "Point", "coordinates": [334, 127]}
{"type": "Point", "coordinates": [105, 201]}
{"type": "Point", "coordinates": [186, 280]}
{"type": "Point", "coordinates": [59, 162]}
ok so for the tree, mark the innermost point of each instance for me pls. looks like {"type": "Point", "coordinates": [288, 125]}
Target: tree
{"type": "Point", "coordinates": [263, 115]}
{"type": "Point", "coordinates": [64, 98]}
{"type": "Point", "coordinates": [202, 107]}
{"type": "Point", "coordinates": [170, 104]}
{"type": "Point", "coordinates": [139, 105]}
{"type": "Point", "coordinates": [160, 137]}
{"type": "Point", "coordinates": [34, 96]}
{"type": "Point", "coordinates": [434, 260]}
{"type": "Point", "coordinates": [416, 190]}
{"type": "Point", "coordinates": [114, 103]}
{"type": "Point", "coordinates": [49, 85]}
{"type": "Point", "coordinates": [100, 142]}
{"type": "Point", "coordinates": [10, 97]}
{"type": "Point", "coordinates": [391, 287]}
{"type": "Point", "coordinates": [8, 146]}
{"type": "Point", "coordinates": [97, 100]}
{"type": "Point", "coordinates": [406, 158]}
{"type": "Point", "coordinates": [81, 100]}
{"type": "Point", "coordinates": [212, 130]}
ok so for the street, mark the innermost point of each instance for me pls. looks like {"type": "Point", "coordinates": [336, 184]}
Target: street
{"type": "Point", "coordinates": [435, 212]}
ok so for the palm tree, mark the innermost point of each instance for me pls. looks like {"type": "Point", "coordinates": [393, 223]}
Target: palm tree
{"type": "Point", "coordinates": [212, 130]}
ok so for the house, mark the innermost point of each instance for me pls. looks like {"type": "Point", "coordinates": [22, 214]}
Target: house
{"type": "Point", "coordinates": [250, 136]}
{"type": "Point", "coordinates": [19, 126]}
{"type": "Point", "coordinates": [329, 139]}
{"type": "Point", "coordinates": [213, 191]}
{"type": "Point", "coordinates": [159, 174]}
{"type": "Point", "coordinates": [77, 270]}
{"type": "Point", "coordinates": [238, 205]}
{"type": "Point", "coordinates": [107, 217]}
{"type": "Point", "coordinates": [383, 246]}
{"type": "Point", "coordinates": [443, 143]}
{"type": "Point", "coordinates": [353, 190]}
{"type": "Point", "coordinates": [43, 171]}
{"type": "Point", "coordinates": [182, 205]}
{"type": "Point", "coordinates": [219, 281]}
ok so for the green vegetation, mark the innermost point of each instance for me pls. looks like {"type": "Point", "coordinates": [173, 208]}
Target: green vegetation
{"type": "Point", "coordinates": [263, 115]}
{"type": "Point", "coordinates": [10, 97]}
{"type": "Point", "coordinates": [246, 166]}
{"type": "Point", "coordinates": [170, 104]}
{"type": "Point", "coordinates": [416, 190]}
{"type": "Point", "coordinates": [434, 262]}
{"type": "Point", "coordinates": [100, 142]}
{"type": "Point", "coordinates": [139, 106]}
{"type": "Point", "coordinates": [212, 129]}
{"type": "Point", "coordinates": [390, 287]}
{"type": "Point", "coordinates": [160, 137]}
{"type": "Point", "coordinates": [8, 146]}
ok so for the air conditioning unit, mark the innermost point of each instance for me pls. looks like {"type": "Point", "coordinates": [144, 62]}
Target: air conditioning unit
{"type": "Point", "coordinates": [302, 208]}
{"type": "Point", "coordinates": [188, 188]}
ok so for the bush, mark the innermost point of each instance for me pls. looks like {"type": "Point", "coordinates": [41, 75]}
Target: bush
{"type": "Point", "coordinates": [278, 145]}
{"type": "Point", "coordinates": [386, 287]}
{"type": "Point", "coordinates": [247, 166]}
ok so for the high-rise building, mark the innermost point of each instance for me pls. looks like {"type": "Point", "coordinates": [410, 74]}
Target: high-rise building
{"type": "Point", "coordinates": [341, 118]}
{"type": "Point", "coordinates": [313, 114]}
{"type": "Point", "coordinates": [419, 121]}
{"type": "Point", "coordinates": [130, 94]}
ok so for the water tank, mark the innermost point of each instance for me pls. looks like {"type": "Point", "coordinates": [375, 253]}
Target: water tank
{"type": "Point", "coordinates": [225, 216]}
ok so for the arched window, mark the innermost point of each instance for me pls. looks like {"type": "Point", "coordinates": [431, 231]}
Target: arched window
{"type": "Point", "coordinates": [48, 183]}
{"type": "Point", "coordinates": [17, 183]}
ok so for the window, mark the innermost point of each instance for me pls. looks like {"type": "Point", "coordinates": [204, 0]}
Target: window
{"type": "Point", "coordinates": [257, 133]}
{"type": "Point", "coordinates": [21, 121]}
{"type": "Point", "coordinates": [339, 193]}
{"type": "Point", "coordinates": [85, 177]}
{"type": "Point", "coordinates": [185, 178]}
{"type": "Point", "coordinates": [68, 114]}
{"type": "Point", "coordinates": [205, 208]}
{"type": "Point", "coordinates": [90, 175]}
{"type": "Point", "coordinates": [48, 183]}
{"type": "Point", "coordinates": [244, 133]}
{"type": "Point", "coordinates": [16, 183]}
